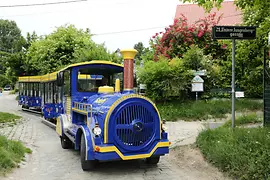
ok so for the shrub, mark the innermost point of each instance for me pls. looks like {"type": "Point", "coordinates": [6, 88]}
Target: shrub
{"type": "Point", "coordinates": [165, 80]}
{"type": "Point", "coordinates": [179, 36]}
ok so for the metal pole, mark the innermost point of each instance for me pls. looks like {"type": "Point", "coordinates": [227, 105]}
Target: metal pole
{"type": "Point", "coordinates": [196, 96]}
{"type": "Point", "coordinates": [233, 83]}
{"type": "Point", "coordinates": [264, 64]}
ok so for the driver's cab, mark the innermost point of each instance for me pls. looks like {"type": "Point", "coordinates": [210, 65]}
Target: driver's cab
{"type": "Point", "coordinates": [90, 78]}
{"type": "Point", "coordinates": [96, 80]}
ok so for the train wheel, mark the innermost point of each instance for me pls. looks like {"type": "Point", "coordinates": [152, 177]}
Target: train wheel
{"type": "Point", "coordinates": [86, 164]}
{"type": "Point", "coordinates": [153, 160]}
{"type": "Point", "coordinates": [65, 143]}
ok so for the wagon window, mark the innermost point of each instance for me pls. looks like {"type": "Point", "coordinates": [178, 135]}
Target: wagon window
{"type": "Point", "coordinates": [67, 87]}
{"type": "Point", "coordinates": [21, 88]}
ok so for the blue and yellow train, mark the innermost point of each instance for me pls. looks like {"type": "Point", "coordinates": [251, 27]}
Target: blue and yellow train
{"type": "Point", "coordinates": [97, 112]}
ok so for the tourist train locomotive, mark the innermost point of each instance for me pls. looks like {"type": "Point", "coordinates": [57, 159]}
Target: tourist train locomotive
{"type": "Point", "coordinates": [95, 115]}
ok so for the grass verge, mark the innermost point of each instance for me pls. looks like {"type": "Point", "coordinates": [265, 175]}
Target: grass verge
{"type": "Point", "coordinates": [201, 110]}
{"type": "Point", "coordinates": [11, 153]}
{"type": "Point", "coordinates": [251, 118]}
{"type": "Point", "coordinates": [244, 153]}
{"type": "Point", "coordinates": [7, 117]}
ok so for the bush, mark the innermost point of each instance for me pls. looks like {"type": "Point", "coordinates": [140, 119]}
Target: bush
{"type": "Point", "coordinates": [14, 91]}
{"type": "Point", "coordinates": [165, 80]}
{"type": "Point", "coordinates": [243, 153]}
{"type": "Point", "coordinates": [4, 80]}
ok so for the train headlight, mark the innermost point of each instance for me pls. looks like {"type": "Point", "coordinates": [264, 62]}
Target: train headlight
{"type": "Point", "coordinates": [163, 127]}
{"type": "Point", "coordinates": [97, 131]}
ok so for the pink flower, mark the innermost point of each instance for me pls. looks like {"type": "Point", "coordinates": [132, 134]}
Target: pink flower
{"type": "Point", "coordinates": [224, 46]}
{"type": "Point", "coordinates": [200, 34]}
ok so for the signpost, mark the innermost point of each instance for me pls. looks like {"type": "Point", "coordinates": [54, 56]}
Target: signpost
{"type": "Point", "coordinates": [233, 32]}
{"type": "Point", "coordinates": [197, 85]}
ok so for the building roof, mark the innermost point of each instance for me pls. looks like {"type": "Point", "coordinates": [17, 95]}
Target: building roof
{"type": "Point", "coordinates": [230, 14]}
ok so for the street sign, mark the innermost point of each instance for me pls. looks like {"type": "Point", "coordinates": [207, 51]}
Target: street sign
{"type": "Point", "coordinates": [197, 84]}
{"type": "Point", "coordinates": [199, 73]}
{"type": "Point", "coordinates": [234, 32]}
{"type": "Point", "coordinates": [239, 94]}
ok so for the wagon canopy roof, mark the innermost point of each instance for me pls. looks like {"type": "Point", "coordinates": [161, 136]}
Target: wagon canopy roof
{"type": "Point", "coordinates": [53, 76]}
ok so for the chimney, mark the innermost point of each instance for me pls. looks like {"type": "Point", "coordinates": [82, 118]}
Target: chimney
{"type": "Point", "coordinates": [128, 55]}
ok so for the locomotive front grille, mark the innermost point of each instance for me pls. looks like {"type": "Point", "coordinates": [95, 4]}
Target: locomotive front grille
{"type": "Point", "coordinates": [134, 126]}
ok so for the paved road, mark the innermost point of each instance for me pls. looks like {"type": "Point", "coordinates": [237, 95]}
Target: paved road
{"type": "Point", "coordinates": [50, 162]}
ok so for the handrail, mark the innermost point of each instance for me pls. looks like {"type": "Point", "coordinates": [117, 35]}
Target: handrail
{"type": "Point", "coordinates": [82, 106]}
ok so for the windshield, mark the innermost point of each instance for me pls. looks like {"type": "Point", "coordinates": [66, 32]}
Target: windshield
{"type": "Point", "coordinates": [91, 82]}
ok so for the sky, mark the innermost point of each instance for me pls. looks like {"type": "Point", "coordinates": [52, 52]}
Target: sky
{"type": "Point", "coordinates": [107, 19]}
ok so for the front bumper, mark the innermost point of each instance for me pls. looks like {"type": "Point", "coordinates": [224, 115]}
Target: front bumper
{"type": "Point", "coordinates": [110, 152]}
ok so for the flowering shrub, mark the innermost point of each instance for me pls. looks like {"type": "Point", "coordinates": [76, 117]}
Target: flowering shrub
{"type": "Point", "coordinates": [179, 36]}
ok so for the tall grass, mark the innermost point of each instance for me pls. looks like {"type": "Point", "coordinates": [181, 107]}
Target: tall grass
{"type": "Point", "coordinates": [201, 110]}
{"type": "Point", "coordinates": [7, 117]}
{"type": "Point", "coordinates": [11, 153]}
{"type": "Point", "coordinates": [251, 118]}
{"type": "Point", "coordinates": [244, 153]}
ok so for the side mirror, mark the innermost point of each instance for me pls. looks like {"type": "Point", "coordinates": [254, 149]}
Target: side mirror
{"type": "Point", "coordinates": [60, 78]}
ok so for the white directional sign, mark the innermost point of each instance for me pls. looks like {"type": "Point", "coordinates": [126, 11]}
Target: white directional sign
{"type": "Point", "coordinates": [197, 84]}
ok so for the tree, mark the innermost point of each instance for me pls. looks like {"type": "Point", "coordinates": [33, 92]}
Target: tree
{"type": "Point", "coordinates": [11, 54]}
{"type": "Point", "coordinates": [140, 48]}
{"type": "Point", "coordinates": [64, 46]}
{"type": "Point", "coordinates": [206, 4]}
{"type": "Point", "coordinates": [10, 36]}
{"type": "Point", "coordinates": [30, 38]}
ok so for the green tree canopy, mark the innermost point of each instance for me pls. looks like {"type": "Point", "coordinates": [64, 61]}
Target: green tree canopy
{"type": "Point", "coordinates": [10, 36]}
{"type": "Point", "coordinates": [64, 46]}
{"type": "Point", "coordinates": [140, 48]}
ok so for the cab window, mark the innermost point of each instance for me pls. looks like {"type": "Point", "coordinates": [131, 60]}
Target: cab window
{"type": "Point", "coordinates": [89, 82]}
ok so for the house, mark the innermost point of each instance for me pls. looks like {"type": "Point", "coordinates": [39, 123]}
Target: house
{"type": "Point", "coordinates": [230, 14]}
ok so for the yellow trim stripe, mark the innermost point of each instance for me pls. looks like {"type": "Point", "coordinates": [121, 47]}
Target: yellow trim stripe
{"type": "Point", "coordinates": [119, 101]}
{"type": "Point", "coordinates": [53, 76]}
{"type": "Point", "coordinates": [138, 156]}
{"type": "Point", "coordinates": [80, 111]}
{"type": "Point", "coordinates": [58, 126]}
